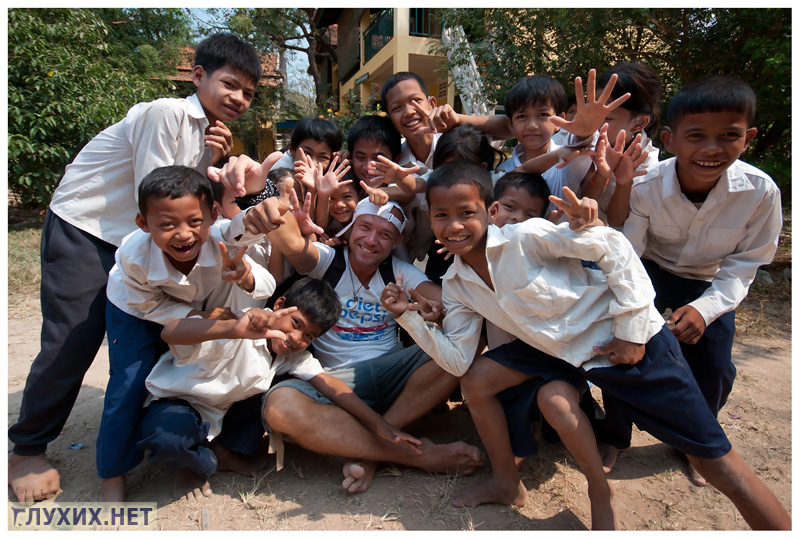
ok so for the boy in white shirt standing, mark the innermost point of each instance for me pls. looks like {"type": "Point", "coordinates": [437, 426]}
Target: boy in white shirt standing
{"type": "Point", "coordinates": [92, 209]}
{"type": "Point", "coordinates": [703, 222]}
{"type": "Point", "coordinates": [573, 322]}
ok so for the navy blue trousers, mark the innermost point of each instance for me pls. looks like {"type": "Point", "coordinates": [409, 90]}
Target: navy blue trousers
{"type": "Point", "coordinates": [134, 346]}
{"type": "Point", "coordinates": [75, 268]}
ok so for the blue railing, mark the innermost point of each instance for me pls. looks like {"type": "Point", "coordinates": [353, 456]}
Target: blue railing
{"type": "Point", "coordinates": [425, 22]}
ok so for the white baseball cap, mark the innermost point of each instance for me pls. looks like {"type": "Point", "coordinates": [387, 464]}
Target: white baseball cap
{"type": "Point", "coordinates": [365, 207]}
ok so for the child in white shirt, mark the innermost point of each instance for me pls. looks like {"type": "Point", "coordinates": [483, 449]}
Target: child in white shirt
{"type": "Point", "coordinates": [213, 364]}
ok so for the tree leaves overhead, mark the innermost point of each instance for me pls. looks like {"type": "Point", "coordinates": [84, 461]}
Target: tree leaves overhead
{"type": "Point", "coordinates": [679, 44]}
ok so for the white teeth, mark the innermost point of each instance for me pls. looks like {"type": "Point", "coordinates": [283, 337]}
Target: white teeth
{"type": "Point", "coordinates": [708, 163]}
{"type": "Point", "coordinates": [455, 240]}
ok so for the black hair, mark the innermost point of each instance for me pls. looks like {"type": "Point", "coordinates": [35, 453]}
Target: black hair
{"type": "Point", "coordinates": [397, 78]}
{"type": "Point", "coordinates": [316, 299]}
{"type": "Point", "coordinates": [217, 191]}
{"type": "Point", "coordinates": [536, 89]}
{"type": "Point", "coordinates": [320, 129]}
{"type": "Point", "coordinates": [461, 173]}
{"type": "Point", "coordinates": [533, 183]}
{"type": "Point", "coordinates": [644, 86]}
{"type": "Point", "coordinates": [379, 129]}
{"type": "Point", "coordinates": [174, 181]}
{"type": "Point", "coordinates": [714, 93]}
{"type": "Point", "coordinates": [571, 100]}
{"type": "Point", "coordinates": [468, 143]}
{"type": "Point", "coordinates": [222, 49]}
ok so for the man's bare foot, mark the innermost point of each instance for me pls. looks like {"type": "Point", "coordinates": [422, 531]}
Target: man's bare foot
{"type": "Point", "coordinates": [358, 475]}
{"type": "Point", "coordinates": [32, 478]}
{"type": "Point", "coordinates": [491, 491]}
{"type": "Point", "coordinates": [113, 489]}
{"type": "Point", "coordinates": [190, 487]}
{"type": "Point", "coordinates": [603, 515]}
{"type": "Point", "coordinates": [233, 461]}
{"type": "Point", "coordinates": [455, 458]}
{"type": "Point", "coordinates": [608, 454]}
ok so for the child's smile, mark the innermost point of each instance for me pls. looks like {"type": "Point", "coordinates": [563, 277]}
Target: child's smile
{"type": "Point", "coordinates": [459, 218]}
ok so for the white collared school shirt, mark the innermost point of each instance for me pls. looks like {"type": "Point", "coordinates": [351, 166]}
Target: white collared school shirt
{"type": "Point", "coordinates": [724, 241]}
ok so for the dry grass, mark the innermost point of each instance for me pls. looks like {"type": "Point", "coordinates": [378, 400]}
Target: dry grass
{"type": "Point", "coordinates": [24, 273]}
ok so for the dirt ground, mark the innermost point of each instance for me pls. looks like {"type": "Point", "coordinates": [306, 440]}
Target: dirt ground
{"type": "Point", "coordinates": [651, 489]}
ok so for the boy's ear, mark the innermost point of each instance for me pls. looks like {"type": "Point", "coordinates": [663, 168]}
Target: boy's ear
{"type": "Point", "coordinates": [279, 303]}
{"type": "Point", "coordinates": [749, 135]}
{"type": "Point", "coordinates": [141, 222]}
{"type": "Point", "coordinates": [432, 102]}
{"type": "Point", "coordinates": [494, 207]}
{"type": "Point", "coordinates": [215, 211]}
{"type": "Point", "coordinates": [563, 115]}
{"type": "Point", "coordinates": [666, 138]}
{"type": "Point", "coordinates": [641, 122]}
{"type": "Point", "coordinates": [198, 74]}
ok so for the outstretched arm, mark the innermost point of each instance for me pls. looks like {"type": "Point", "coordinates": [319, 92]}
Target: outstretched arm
{"type": "Point", "coordinates": [254, 324]}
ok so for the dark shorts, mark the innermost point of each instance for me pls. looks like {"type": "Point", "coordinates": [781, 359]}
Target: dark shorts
{"type": "Point", "coordinates": [378, 382]}
{"type": "Point", "coordinates": [519, 402]}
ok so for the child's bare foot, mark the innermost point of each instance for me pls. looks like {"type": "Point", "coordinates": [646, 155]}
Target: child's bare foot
{"type": "Point", "coordinates": [491, 491]}
{"type": "Point", "coordinates": [32, 478]}
{"type": "Point", "coordinates": [603, 515]}
{"type": "Point", "coordinates": [113, 489]}
{"type": "Point", "coordinates": [233, 461]}
{"type": "Point", "coordinates": [695, 477]}
{"type": "Point", "coordinates": [190, 487]}
{"type": "Point", "coordinates": [455, 458]}
{"type": "Point", "coordinates": [608, 454]}
{"type": "Point", "coordinates": [358, 475]}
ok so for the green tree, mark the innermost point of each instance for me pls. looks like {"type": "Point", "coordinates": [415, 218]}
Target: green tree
{"type": "Point", "coordinates": [63, 88]}
{"type": "Point", "coordinates": [679, 44]}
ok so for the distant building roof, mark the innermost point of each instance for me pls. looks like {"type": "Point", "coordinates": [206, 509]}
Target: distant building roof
{"type": "Point", "coordinates": [270, 69]}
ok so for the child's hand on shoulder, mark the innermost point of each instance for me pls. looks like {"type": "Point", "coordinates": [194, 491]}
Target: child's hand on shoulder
{"type": "Point", "coordinates": [394, 298]}
{"type": "Point", "coordinates": [687, 324]}
{"type": "Point", "coordinates": [622, 352]}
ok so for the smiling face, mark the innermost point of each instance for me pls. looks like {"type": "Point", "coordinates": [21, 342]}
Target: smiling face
{"type": "Point", "coordinates": [459, 219]}
{"type": "Point", "coordinates": [705, 145]}
{"type": "Point", "coordinates": [299, 329]}
{"type": "Point", "coordinates": [516, 205]}
{"type": "Point", "coordinates": [364, 151]}
{"type": "Point", "coordinates": [179, 227]}
{"type": "Point", "coordinates": [372, 239]}
{"type": "Point", "coordinates": [405, 117]}
{"type": "Point", "coordinates": [531, 126]}
{"type": "Point", "coordinates": [343, 202]}
{"type": "Point", "coordinates": [225, 94]}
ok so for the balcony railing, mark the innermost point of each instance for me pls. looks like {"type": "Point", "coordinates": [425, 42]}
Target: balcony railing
{"type": "Point", "coordinates": [378, 34]}
{"type": "Point", "coordinates": [425, 22]}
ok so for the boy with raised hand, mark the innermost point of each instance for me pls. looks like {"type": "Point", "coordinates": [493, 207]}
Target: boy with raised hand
{"type": "Point", "coordinates": [92, 209]}
{"type": "Point", "coordinates": [163, 271]}
{"type": "Point", "coordinates": [703, 222]}
{"type": "Point", "coordinates": [570, 322]}
{"type": "Point", "coordinates": [215, 364]}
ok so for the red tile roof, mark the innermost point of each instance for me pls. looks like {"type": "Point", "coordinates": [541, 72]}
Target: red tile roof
{"type": "Point", "coordinates": [270, 69]}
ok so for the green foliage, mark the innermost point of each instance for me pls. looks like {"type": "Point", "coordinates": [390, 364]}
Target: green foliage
{"type": "Point", "coordinates": [679, 44]}
{"type": "Point", "coordinates": [63, 89]}
{"type": "Point", "coordinates": [353, 109]}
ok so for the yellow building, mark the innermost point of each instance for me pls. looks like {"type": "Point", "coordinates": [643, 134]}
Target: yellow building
{"type": "Point", "coordinates": [373, 44]}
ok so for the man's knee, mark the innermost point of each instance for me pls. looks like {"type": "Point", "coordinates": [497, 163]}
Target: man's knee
{"type": "Point", "coordinates": [286, 408]}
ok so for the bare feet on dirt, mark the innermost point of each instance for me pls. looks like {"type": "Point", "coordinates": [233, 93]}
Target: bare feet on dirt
{"type": "Point", "coordinates": [454, 458]}
{"type": "Point", "coordinates": [233, 461]}
{"type": "Point", "coordinates": [32, 478]}
{"type": "Point", "coordinates": [491, 491]}
{"type": "Point", "coordinates": [608, 454]}
{"type": "Point", "coordinates": [190, 487]}
{"type": "Point", "coordinates": [603, 515]}
{"type": "Point", "coordinates": [358, 475]}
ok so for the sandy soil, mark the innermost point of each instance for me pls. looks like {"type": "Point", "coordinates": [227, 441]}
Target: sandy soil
{"type": "Point", "coordinates": [652, 491]}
